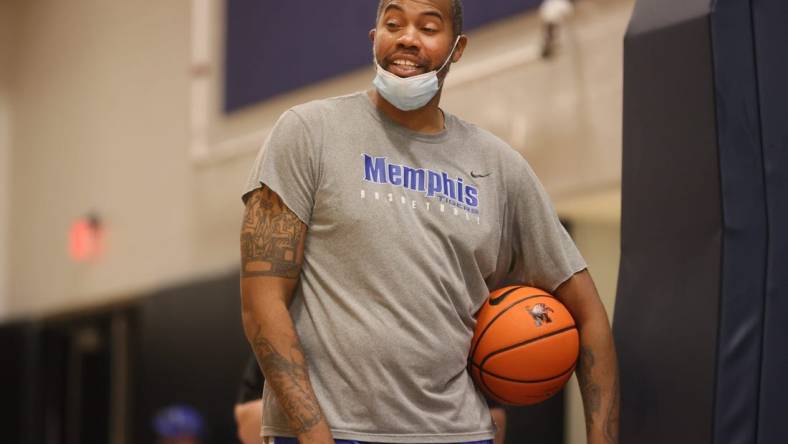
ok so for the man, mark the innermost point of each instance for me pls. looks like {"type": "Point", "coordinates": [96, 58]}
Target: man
{"type": "Point", "coordinates": [376, 224]}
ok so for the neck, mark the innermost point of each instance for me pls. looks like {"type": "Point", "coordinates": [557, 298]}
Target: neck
{"type": "Point", "coordinates": [428, 119]}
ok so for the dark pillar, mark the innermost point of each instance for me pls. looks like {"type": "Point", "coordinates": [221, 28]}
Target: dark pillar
{"type": "Point", "coordinates": [701, 319]}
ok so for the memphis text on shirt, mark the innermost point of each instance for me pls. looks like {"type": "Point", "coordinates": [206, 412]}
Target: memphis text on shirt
{"type": "Point", "coordinates": [432, 184]}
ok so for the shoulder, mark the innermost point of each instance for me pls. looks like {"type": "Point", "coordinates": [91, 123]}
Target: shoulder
{"type": "Point", "coordinates": [312, 120]}
{"type": "Point", "coordinates": [497, 151]}
{"type": "Point", "coordinates": [486, 143]}
{"type": "Point", "coordinates": [330, 108]}
{"type": "Point", "coordinates": [514, 173]}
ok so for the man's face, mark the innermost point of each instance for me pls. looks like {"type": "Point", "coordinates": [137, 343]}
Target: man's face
{"type": "Point", "coordinates": [413, 37]}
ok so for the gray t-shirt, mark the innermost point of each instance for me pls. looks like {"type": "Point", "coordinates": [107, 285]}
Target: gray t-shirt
{"type": "Point", "coordinates": [407, 235]}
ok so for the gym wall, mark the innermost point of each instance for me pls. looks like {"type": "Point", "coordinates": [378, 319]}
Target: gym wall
{"type": "Point", "coordinates": [102, 103]}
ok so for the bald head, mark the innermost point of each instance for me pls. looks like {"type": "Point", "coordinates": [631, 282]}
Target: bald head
{"type": "Point", "coordinates": [456, 14]}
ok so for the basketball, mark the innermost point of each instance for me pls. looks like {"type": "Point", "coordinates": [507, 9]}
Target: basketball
{"type": "Point", "coordinates": [525, 346]}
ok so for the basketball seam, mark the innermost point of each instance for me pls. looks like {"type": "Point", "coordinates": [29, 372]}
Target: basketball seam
{"type": "Point", "coordinates": [513, 346]}
{"type": "Point", "coordinates": [501, 398]}
{"type": "Point", "coordinates": [489, 324]}
{"type": "Point", "coordinates": [529, 381]}
{"type": "Point", "coordinates": [482, 372]}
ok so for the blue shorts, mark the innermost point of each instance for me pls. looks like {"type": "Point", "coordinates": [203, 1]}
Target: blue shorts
{"type": "Point", "coordinates": [279, 440]}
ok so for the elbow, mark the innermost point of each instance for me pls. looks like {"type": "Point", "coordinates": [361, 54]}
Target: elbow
{"type": "Point", "coordinates": [263, 302]}
{"type": "Point", "coordinates": [250, 311]}
{"type": "Point", "coordinates": [251, 325]}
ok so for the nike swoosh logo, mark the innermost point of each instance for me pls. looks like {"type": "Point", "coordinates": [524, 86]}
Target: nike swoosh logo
{"type": "Point", "coordinates": [476, 176]}
{"type": "Point", "coordinates": [499, 299]}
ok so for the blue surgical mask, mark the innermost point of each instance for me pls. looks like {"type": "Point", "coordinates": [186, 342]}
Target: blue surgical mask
{"type": "Point", "coordinates": [409, 93]}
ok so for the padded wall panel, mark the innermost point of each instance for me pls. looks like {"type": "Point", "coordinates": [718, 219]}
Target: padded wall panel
{"type": "Point", "coordinates": [744, 211]}
{"type": "Point", "coordinates": [706, 100]}
{"type": "Point", "coordinates": [666, 311]}
{"type": "Point", "coordinates": [770, 18]}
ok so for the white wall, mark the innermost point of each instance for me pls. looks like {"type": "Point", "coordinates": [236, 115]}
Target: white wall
{"type": "Point", "coordinates": [100, 124]}
{"type": "Point", "coordinates": [6, 41]}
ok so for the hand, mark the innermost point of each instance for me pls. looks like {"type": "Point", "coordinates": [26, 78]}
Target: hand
{"type": "Point", "coordinates": [249, 419]}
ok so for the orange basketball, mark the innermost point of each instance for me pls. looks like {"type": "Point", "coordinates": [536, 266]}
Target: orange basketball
{"type": "Point", "coordinates": [525, 346]}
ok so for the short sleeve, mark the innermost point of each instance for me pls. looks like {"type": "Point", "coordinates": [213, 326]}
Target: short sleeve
{"type": "Point", "coordinates": [288, 164]}
{"type": "Point", "coordinates": [540, 251]}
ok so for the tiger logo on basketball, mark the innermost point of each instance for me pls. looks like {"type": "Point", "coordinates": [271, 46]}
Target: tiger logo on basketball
{"type": "Point", "coordinates": [540, 313]}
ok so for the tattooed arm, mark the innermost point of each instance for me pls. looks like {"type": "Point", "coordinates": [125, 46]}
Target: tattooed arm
{"type": "Point", "coordinates": [272, 248]}
{"type": "Point", "coordinates": [597, 370]}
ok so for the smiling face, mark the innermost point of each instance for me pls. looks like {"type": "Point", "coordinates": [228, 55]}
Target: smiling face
{"type": "Point", "coordinates": [413, 37]}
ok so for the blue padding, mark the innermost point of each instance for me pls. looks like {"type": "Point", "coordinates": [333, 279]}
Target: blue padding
{"type": "Point", "coordinates": [274, 46]}
{"type": "Point", "coordinates": [744, 220]}
{"type": "Point", "coordinates": [771, 35]}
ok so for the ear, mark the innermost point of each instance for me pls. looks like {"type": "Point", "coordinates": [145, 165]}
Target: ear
{"type": "Point", "coordinates": [460, 48]}
{"type": "Point", "coordinates": [372, 35]}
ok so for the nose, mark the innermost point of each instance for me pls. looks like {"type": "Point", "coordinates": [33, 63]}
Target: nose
{"type": "Point", "coordinates": [408, 38]}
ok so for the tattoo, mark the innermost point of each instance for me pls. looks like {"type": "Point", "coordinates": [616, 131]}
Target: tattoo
{"type": "Point", "coordinates": [611, 426]}
{"type": "Point", "coordinates": [272, 237]}
{"type": "Point", "coordinates": [590, 390]}
{"type": "Point", "coordinates": [290, 381]}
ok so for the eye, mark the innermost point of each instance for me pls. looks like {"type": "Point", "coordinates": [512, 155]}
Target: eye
{"type": "Point", "coordinates": [392, 25]}
{"type": "Point", "coordinates": [429, 29]}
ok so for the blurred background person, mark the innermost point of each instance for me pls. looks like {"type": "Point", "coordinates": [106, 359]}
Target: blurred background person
{"type": "Point", "coordinates": [553, 13]}
{"type": "Point", "coordinates": [178, 424]}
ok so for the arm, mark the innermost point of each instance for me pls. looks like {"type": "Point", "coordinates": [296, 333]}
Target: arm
{"type": "Point", "coordinates": [272, 248]}
{"type": "Point", "coordinates": [597, 370]}
{"type": "Point", "coordinates": [499, 418]}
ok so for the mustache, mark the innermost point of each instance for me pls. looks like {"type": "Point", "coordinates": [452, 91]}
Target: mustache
{"type": "Point", "coordinates": [387, 60]}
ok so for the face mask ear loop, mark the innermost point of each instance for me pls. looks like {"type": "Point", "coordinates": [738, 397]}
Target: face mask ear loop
{"type": "Point", "coordinates": [453, 48]}
{"type": "Point", "coordinates": [375, 54]}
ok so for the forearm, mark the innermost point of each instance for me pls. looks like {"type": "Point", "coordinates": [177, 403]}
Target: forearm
{"type": "Point", "coordinates": [597, 368]}
{"type": "Point", "coordinates": [597, 374]}
{"type": "Point", "coordinates": [271, 334]}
